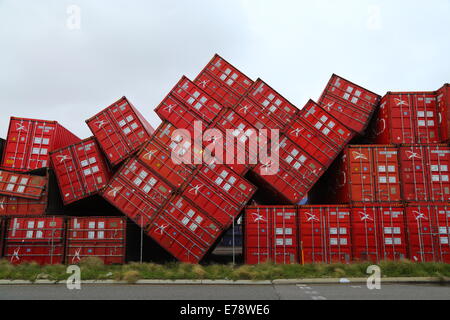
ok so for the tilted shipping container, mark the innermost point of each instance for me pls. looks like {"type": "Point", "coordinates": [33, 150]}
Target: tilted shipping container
{"type": "Point", "coordinates": [320, 134]}
{"type": "Point", "coordinates": [166, 162]}
{"type": "Point", "coordinates": [120, 130]}
{"type": "Point", "coordinates": [349, 103]}
{"type": "Point", "coordinates": [185, 230]}
{"type": "Point", "coordinates": [272, 104]}
{"type": "Point", "coordinates": [30, 142]}
{"type": "Point", "coordinates": [297, 172]}
{"type": "Point", "coordinates": [101, 237]}
{"type": "Point", "coordinates": [219, 191]}
{"type": "Point", "coordinates": [137, 192]}
{"type": "Point", "coordinates": [49, 203]}
{"type": "Point", "coordinates": [187, 99]}
{"type": "Point", "coordinates": [21, 185]}
{"type": "Point", "coordinates": [223, 82]}
{"type": "Point", "coordinates": [443, 105]}
{"type": "Point", "coordinates": [81, 170]}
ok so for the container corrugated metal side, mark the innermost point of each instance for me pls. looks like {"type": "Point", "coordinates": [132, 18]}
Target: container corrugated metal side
{"type": "Point", "coordinates": [392, 226]}
{"type": "Point", "coordinates": [181, 143]}
{"type": "Point", "coordinates": [21, 185]}
{"type": "Point", "coordinates": [2, 146]}
{"type": "Point", "coordinates": [137, 192]}
{"type": "Point", "coordinates": [297, 174]}
{"type": "Point", "coordinates": [320, 134]}
{"type": "Point", "coordinates": [102, 237]}
{"type": "Point", "coordinates": [187, 98]}
{"type": "Point", "coordinates": [351, 104]}
{"type": "Point", "coordinates": [168, 163]}
{"type": "Point", "coordinates": [2, 235]}
{"type": "Point", "coordinates": [48, 203]}
{"type": "Point", "coordinates": [39, 239]}
{"type": "Point", "coordinates": [220, 192]}
{"type": "Point", "coordinates": [81, 170]}
{"type": "Point", "coordinates": [378, 232]}
{"type": "Point", "coordinates": [242, 133]}
{"type": "Point", "coordinates": [184, 230]}
{"type": "Point", "coordinates": [365, 233]}
{"type": "Point", "coordinates": [407, 118]}
{"type": "Point", "coordinates": [443, 101]}
{"type": "Point", "coordinates": [253, 113]}
{"type": "Point", "coordinates": [223, 81]}
{"type": "Point", "coordinates": [368, 173]}
{"type": "Point", "coordinates": [272, 104]}
{"type": "Point", "coordinates": [324, 234]}
{"type": "Point", "coordinates": [30, 142]}
{"type": "Point", "coordinates": [428, 231]}
{"type": "Point", "coordinates": [120, 130]}
{"type": "Point", "coordinates": [271, 234]}
{"type": "Point", "coordinates": [425, 172]}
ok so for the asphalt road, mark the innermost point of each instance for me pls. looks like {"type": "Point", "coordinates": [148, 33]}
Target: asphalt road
{"type": "Point", "coordinates": [225, 292]}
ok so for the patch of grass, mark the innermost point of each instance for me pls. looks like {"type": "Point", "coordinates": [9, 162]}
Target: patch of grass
{"type": "Point", "coordinates": [94, 269]}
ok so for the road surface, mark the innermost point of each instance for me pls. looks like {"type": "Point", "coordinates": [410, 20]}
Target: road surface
{"type": "Point", "coordinates": [226, 292]}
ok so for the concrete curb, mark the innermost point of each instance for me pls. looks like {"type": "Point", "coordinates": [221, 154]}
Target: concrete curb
{"type": "Point", "coordinates": [396, 280]}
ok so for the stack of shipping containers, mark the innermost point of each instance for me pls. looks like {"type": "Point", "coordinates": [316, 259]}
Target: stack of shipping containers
{"type": "Point", "coordinates": [386, 199]}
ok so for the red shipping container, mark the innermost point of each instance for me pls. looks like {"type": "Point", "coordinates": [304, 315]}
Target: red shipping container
{"type": "Point", "coordinates": [120, 130]}
{"type": "Point", "coordinates": [230, 84]}
{"type": "Point", "coordinates": [368, 173]}
{"type": "Point", "coordinates": [21, 185]}
{"type": "Point", "coordinates": [184, 230]}
{"type": "Point", "coordinates": [349, 103]}
{"type": "Point", "coordinates": [187, 98]}
{"type": "Point", "coordinates": [322, 136]}
{"type": "Point", "coordinates": [392, 232]}
{"type": "Point", "coordinates": [428, 231]}
{"type": "Point", "coordinates": [326, 125]}
{"type": "Point", "coordinates": [15, 206]}
{"type": "Point", "coordinates": [2, 235]}
{"type": "Point", "coordinates": [39, 239]}
{"type": "Point", "coordinates": [254, 114]}
{"type": "Point", "coordinates": [407, 118]}
{"type": "Point", "coordinates": [137, 192]}
{"type": "Point", "coordinates": [81, 170]}
{"type": "Point", "coordinates": [102, 237]}
{"type": "Point", "coordinates": [242, 132]}
{"type": "Point", "coordinates": [165, 163]}
{"type": "Point", "coordinates": [443, 105]}
{"type": "Point", "coordinates": [180, 143]}
{"type": "Point", "coordinates": [30, 142]}
{"type": "Point", "coordinates": [425, 172]}
{"type": "Point", "coordinates": [324, 234]}
{"type": "Point", "coordinates": [220, 192]}
{"type": "Point", "coordinates": [271, 234]}
{"type": "Point", "coordinates": [297, 172]}
{"type": "Point", "coordinates": [180, 115]}
{"type": "Point", "coordinates": [272, 103]}
{"type": "Point", "coordinates": [441, 219]}
{"type": "Point", "coordinates": [365, 233]}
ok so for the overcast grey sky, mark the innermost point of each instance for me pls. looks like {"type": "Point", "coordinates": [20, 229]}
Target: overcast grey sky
{"type": "Point", "coordinates": [50, 69]}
